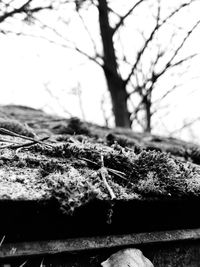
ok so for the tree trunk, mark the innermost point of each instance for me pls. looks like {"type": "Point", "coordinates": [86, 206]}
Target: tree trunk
{"type": "Point", "coordinates": [147, 105]}
{"type": "Point", "coordinates": [116, 85]}
{"type": "Point", "coordinates": [119, 100]}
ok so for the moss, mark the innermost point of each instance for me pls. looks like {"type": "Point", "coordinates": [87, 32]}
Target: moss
{"type": "Point", "coordinates": [51, 166]}
{"type": "Point", "coordinates": [158, 174]}
{"type": "Point", "coordinates": [68, 170]}
{"type": "Point", "coordinates": [72, 190]}
{"type": "Point", "coordinates": [124, 141]}
{"type": "Point", "coordinates": [177, 148]}
{"type": "Point", "coordinates": [194, 154]}
{"type": "Point", "coordinates": [149, 173]}
{"type": "Point", "coordinates": [152, 161]}
{"type": "Point", "coordinates": [74, 126]}
{"type": "Point", "coordinates": [16, 127]}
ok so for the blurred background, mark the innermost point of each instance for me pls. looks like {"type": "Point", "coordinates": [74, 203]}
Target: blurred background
{"type": "Point", "coordinates": [132, 64]}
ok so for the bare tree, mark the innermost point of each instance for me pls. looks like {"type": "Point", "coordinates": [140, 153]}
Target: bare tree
{"type": "Point", "coordinates": [152, 61]}
{"type": "Point", "coordinates": [147, 82]}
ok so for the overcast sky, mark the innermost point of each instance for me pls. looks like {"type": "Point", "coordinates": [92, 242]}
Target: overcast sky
{"type": "Point", "coordinates": [29, 64]}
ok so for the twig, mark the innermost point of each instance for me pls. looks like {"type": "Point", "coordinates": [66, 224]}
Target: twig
{"type": "Point", "coordinates": [28, 144]}
{"type": "Point", "coordinates": [8, 141]}
{"type": "Point", "coordinates": [90, 161]}
{"type": "Point", "coordinates": [15, 11]}
{"type": "Point", "coordinates": [122, 19]}
{"type": "Point", "coordinates": [186, 125]}
{"type": "Point", "coordinates": [45, 121]}
{"type": "Point", "coordinates": [15, 146]}
{"type": "Point", "coordinates": [8, 132]}
{"type": "Point", "coordinates": [158, 25]}
{"type": "Point", "coordinates": [56, 98]}
{"type": "Point", "coordinates": [113, 171]}
{"type": "Point", "coordinates": [88, 33]}
{"type": "Point", "coordinates": [104, 173]}
{"type": "Point", "coordinates": [22, 9]}
{"type": "Point", "coordinates": [117, 173]}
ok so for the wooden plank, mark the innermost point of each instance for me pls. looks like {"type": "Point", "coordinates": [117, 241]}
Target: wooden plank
{"type": "Point", "coordinates": [91, 243]}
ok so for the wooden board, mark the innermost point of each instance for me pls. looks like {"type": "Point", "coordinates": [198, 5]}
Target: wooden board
{"type": "Point", "coordinates": [91, 243]}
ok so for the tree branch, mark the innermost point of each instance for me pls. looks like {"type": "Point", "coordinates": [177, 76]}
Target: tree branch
{"type": "Point", "coordinates": [23, 9]}
{"type": "Point", "coordinates": [169, 64]}
{"type": "Point", "coordinates": [184, 40]}
{"type": "Point", "coordinates": [140, 53]}
{"type": "Point", "coordinates": [72, 47]}
{"type": "Point", "coordinates": [167, 93]}
{"type": "Point", "coordinates": [88, 33]}
{"type": "Point", "coordinates": [15, 11]}
{"type": "Point", "coordinates": [122, 19]}
{"type": "Point", "coordinates": [183, 60]}
{"type": "Point", "coordinates": [186, 125]}
{"type": "Point", "coordinates": [155, 29]}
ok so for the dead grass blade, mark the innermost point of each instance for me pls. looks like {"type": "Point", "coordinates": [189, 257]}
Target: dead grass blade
{"type": "Point", "coordinates": [8, 132]}
{"type": "Point", "coordinates": [1, 242]}
{"type": "Point", "coordinates": [23, 264]}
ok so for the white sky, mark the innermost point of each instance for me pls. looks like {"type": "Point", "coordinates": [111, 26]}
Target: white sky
{"type": "Point", "coordinates": [26, 64]}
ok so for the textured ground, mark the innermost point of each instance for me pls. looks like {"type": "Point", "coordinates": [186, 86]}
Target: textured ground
{"type": "Point", "coordinates": [75, 162]}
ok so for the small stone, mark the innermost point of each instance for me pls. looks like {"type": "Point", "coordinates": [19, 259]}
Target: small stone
{"type": "Point", "coordinates": [127, 258]}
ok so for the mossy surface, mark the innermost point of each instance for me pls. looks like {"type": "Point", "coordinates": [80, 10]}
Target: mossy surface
{"type": "Point", "coordinates": [68, 166]}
